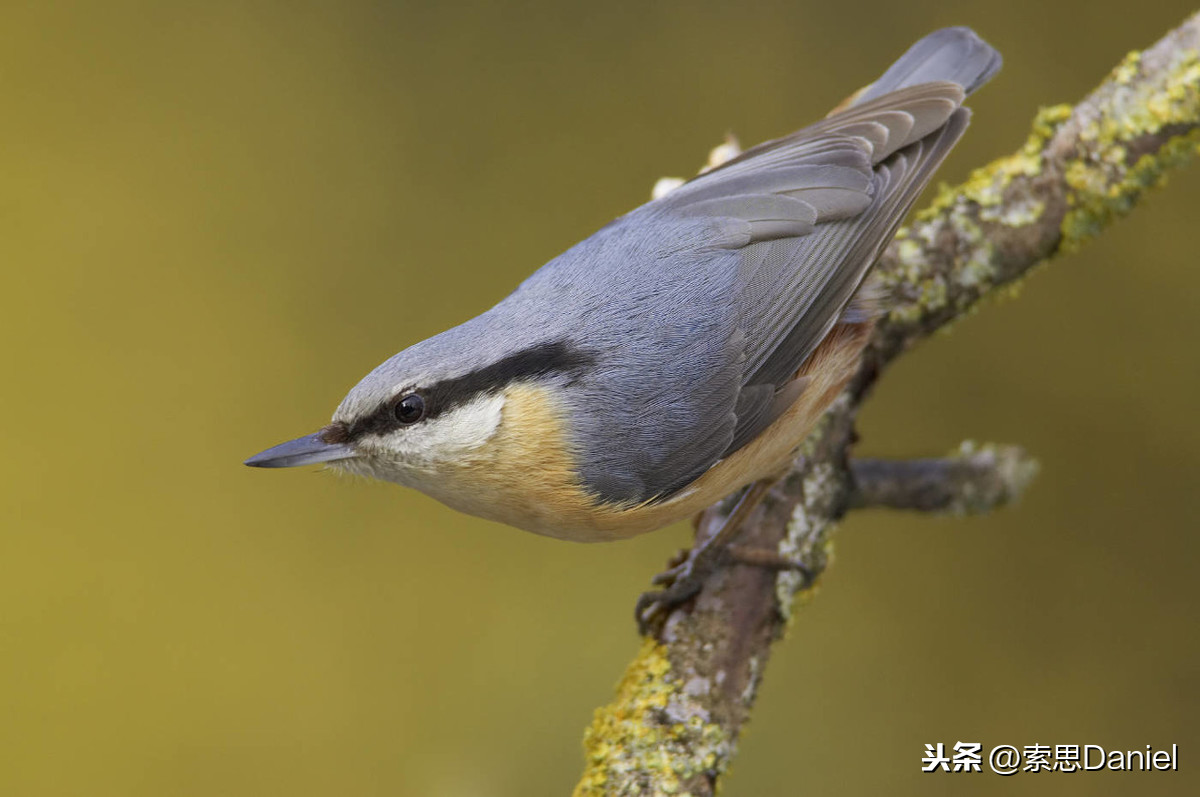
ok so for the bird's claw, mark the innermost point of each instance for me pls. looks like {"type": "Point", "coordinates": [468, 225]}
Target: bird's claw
{"type": "Point", "coordinates": [685, 575]}
{"type": "Point", "coordinates": [652, 607]}
{"type": "Point", "coordinates": [672, 574]}
{"type": "Point", "coordinates": [682, 580]}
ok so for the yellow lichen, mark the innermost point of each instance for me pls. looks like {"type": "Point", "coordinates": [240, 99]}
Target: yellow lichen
{"type": "Point", "coordinates": [985, 190]}
{"type": "Point", "coordinates": [653, 737]}
{"type": "Point", "coordinates": [1127, 70]}
{"type": "Point", "coordinates": [985, 186]}
{"type": "Point", "coordinates": [1104, 176]}
{"type": "Point", "coordinates": [1106, 185]}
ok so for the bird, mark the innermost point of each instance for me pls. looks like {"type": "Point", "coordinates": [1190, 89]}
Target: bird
{"type": "Point", "coordinates": [681, 353]}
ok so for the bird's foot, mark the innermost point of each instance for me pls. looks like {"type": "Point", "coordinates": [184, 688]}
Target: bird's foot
{"type": "Point", "coordinates": [681, 581]}
{"type": "Point", "coordinates": [684, 578]}
{"type": "Point", "coordinates": [686, 574]}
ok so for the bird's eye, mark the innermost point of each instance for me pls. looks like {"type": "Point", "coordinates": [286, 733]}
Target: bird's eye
{"type": "Point", "coordinates": [409, 409]}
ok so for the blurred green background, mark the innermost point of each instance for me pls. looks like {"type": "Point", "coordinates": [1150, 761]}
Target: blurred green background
{"type": "Point", "coordinates": [214, 218]}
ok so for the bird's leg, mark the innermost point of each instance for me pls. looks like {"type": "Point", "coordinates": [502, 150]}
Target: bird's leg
{"type": "Point", "coordinates": [685, 579]}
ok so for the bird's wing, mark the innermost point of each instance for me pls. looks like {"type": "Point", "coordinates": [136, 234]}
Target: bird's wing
{"type": "Point", "coordinates": [763, 255]}
{"type": "Point", "coordinates": [810, 213]}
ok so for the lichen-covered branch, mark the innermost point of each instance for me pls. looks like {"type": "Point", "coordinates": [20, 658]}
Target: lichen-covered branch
{"type": "Point", "coordinates": [674, 724]}
{"type": "Point", "coordinates": [973, 480]}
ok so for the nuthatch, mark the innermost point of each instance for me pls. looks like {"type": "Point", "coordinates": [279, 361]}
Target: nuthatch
{"type": "Point", "coordinates": [683, 351]}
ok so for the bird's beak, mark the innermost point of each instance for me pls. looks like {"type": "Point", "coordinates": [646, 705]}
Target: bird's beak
{"type": "Point", "coordinates": [306, 450]}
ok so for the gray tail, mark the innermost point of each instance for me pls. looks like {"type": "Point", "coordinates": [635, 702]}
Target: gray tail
{"type": "Point", "coordinates": [956, 55]}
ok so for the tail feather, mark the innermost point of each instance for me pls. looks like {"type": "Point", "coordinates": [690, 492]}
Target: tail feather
{"type": "Point", "coordinates": [956, 55]}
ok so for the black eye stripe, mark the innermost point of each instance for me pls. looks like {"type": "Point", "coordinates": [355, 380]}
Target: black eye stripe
{"type": "Point", "coordinates": [540, 360]}
{"type": "Point", "coordinates": [448, 394]}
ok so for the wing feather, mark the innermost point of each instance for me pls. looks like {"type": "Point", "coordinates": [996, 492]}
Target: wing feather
{"type": "Point", "coordinates": [815, 210]}
{"type": "Point", "coordinates": [774, 245]}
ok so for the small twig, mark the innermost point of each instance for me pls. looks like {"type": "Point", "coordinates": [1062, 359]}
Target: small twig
{"type": "Point", "coordinates": [973, 481]}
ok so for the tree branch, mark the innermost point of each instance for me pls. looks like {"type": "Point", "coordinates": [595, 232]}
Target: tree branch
{"type": "Point", "coordinates": [674, 724]}
{"type": "Point", "coordinates": [972, 481]}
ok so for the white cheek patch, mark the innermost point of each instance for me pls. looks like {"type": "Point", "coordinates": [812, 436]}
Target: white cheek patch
{"type": "Point", "coordinates": [449, 435]}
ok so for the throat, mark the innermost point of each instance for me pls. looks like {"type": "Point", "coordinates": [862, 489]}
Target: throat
{"type": "Point", "coordinates": [525, 475]}
{"type": "Point", "coordinates": [461, 433]}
